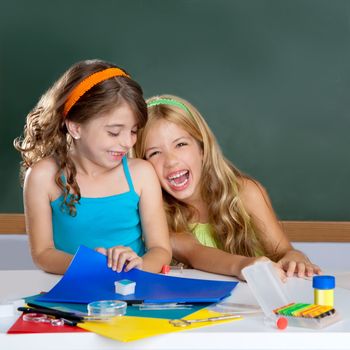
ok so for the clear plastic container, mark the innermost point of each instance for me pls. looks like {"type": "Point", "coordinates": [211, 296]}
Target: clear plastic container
{"type": "Point", "coordinates": [268, 289]}
{"type": "Point", "coordinates": [107, 308]}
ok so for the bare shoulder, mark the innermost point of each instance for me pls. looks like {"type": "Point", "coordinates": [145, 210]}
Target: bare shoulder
{"type": "Point", "coordinates": [43, 169]}
{"type": "Point", "coordinates": [42, 174]}
{"type": "Point", "coordinates": [142, 173]}
{"type": "Point", "coordinates": [252, 192]}
{"type": "Point", "coordinates": [140, 168]}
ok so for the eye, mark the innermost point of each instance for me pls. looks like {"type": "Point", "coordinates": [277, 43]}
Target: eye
{"type": "Point", "coordinates": [152, 154]}
{"type": "Point", "coordinates": [181, 144]}
{"type": "Point", "coordinates": [113, 134]}
{"type": "Point", "coordinates": [134, 132]}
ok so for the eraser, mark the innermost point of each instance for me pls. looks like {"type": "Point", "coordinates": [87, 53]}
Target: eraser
{"type": "Point", "coordinates": [125, 287]}
{"type": "Point", "coordinates": [165, 269]}
{"type": "Point", "coordinates": [282, 323]}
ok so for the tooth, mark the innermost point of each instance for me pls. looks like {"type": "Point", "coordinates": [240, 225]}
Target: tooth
{"type": "Point", "coordinates": [177, 175]}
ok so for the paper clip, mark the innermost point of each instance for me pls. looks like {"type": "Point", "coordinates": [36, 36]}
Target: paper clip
{"type": "Point", "coordinates": [181, 322]}
{"type": "Point", "coordinates": [42, 318]}
{"type": "Point", "coordinates": [177, 268]}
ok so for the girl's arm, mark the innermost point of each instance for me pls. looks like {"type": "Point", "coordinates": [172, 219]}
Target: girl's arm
{"type": "Point", "coordinates": [153, 219]}
{"type": "Point", "coordinates": [36, 195]}
{"type": "Point", "coordinates": [187, 249]}
{"type": "Point", "coordinates": [275, 241]}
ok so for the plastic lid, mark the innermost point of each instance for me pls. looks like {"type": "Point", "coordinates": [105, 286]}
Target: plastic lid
{"type": "Point", "coordinates": [266, 286]}
{"type": "Point", "coordinates": [107, 308]}
{"type": "Point", "coordinates": [124, 282]}
{"type": "Point", "coordinates": [323, 282]}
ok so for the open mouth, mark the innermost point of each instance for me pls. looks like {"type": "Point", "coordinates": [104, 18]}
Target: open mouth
{"type": "Point", "coordinates": [179, 179]}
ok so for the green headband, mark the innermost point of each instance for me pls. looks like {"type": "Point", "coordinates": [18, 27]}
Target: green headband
{"type": "Point", "coordinates": [168, 101]}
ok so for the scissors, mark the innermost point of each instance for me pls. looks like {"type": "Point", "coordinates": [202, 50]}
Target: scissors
{"type": "Point", "coordinates": [181, 322]}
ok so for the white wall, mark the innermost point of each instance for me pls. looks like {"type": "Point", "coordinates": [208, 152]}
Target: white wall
{"type": "Point", "coordinates": [15, 255]}
{"type": "Point", "coordinates": [329, 256]}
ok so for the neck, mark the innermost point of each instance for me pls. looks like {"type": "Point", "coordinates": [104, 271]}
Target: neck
{"type": "Point", "coordinates": [201, 210]}
{"type": "Point", "coordinates": [87, 168]}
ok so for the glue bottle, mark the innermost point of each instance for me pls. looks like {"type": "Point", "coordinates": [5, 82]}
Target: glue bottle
{"type": "Point", "coordinates": [323, 290]}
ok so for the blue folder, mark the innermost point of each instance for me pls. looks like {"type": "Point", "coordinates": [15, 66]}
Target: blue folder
{"type": "Point", "coordinates": [88, 279]}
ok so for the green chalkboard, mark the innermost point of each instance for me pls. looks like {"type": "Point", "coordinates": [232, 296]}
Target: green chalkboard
{"type": "Point", "coordinates": [271, 77]}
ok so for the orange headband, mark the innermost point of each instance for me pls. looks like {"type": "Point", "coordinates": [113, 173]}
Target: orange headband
{"type": "Point", "coordinates": [89, 82]}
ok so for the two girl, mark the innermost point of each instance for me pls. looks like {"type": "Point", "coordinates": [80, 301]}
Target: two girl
{"type": "Point", "coordinates": [220, 220]}
{"type": "Point", "coordinates": [80, 187]}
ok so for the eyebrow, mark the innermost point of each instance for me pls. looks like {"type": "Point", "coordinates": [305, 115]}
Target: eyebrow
{"type": "Point", "coordinates": [114, 125]}
{"type": "Point", "coordinates": [174, 141]}
{"type": "Point", "coordinates": [119, 126]}
{"type": "Point", "coordinates": [179, 138]}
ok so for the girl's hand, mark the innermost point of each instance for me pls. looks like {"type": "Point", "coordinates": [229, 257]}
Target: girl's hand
{"type": "Point", "coordinates": [120, 256]}
{"type": "Point", "coordinates": [247, 261]}
{"type": "Point", "coordinates": [295, 262]}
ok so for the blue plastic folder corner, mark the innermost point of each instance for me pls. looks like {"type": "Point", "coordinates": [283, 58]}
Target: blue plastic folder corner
{"type": "Point", "coordinates": [89, 279]}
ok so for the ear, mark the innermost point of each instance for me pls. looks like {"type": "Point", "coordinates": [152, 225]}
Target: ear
{"type": "Point", "coordinates": [73, 129]}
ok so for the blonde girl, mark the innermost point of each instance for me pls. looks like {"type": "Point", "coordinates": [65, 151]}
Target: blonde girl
{"type": "Point", "coordinates": [80, 188]}
{"type": "Point", "coordinates": [220, 220]}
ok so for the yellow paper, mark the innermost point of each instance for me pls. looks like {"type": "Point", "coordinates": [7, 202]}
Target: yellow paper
{"type": "Point", "coordinates": [129, 328]}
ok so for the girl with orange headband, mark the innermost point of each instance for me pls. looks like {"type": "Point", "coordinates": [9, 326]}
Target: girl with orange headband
{"type": "Point", "coordinates": [80, 187]}
{"type": "Point", "coordinates": [220, 219]}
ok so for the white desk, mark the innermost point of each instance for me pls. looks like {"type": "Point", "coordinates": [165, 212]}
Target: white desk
{"type": "Point", "coordinates": [250, 333]}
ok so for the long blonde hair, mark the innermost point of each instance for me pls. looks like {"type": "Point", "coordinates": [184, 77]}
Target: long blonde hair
{"type": "Point", "coordinates": [45, 131]}
{"type": "Point", "coordinates": [219, 184]}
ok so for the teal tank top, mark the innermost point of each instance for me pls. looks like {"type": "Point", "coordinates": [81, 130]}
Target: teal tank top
{"type": "Point", "coordinates": [100, 222]}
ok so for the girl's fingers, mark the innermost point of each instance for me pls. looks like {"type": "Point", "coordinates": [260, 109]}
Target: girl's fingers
{"type": "Point", "coordinates": [310, 269]}
{"type": "Point", "coordinates": [110, 253]}
{"type": "Point", "coordinates": [317, 270]}
{"type": "Point", "coordinates": [124, 257]}
{"type": "Point", "coordinates": [282, 275]}
{"type": "Point", "coordinates": [137, 262]}
{"type": "Point", "coordinates": [113, 254]}
{"type": "Point", "coordinates": [282, 265]}
{"type": "Point", "coordinates": [281, 272]}
{"type": "Point", "coordinates": [291, 268]}
{"type": "Point", "coordinates": [119, 256]}
{"type": "Point", "coordinates": [101, 250]}
{"type": "Point", "coordinates": [301, 269]}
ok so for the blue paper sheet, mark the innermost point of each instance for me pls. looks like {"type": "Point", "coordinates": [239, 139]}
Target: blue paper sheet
{"type": "Point", "coordinates": [88, 279]}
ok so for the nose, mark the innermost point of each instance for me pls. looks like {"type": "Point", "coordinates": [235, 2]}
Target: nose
{"type": "Point", "coordinates": [128, 140]}
{"type": "Point", "coordinates": [170, 159]}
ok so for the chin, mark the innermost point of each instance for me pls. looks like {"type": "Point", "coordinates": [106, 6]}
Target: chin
{"type": "Point", "coordinates": [180, 195]}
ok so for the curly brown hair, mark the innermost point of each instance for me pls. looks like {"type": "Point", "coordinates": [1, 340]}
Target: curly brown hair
{"type": "Point", "coordinates": [45, 132]}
